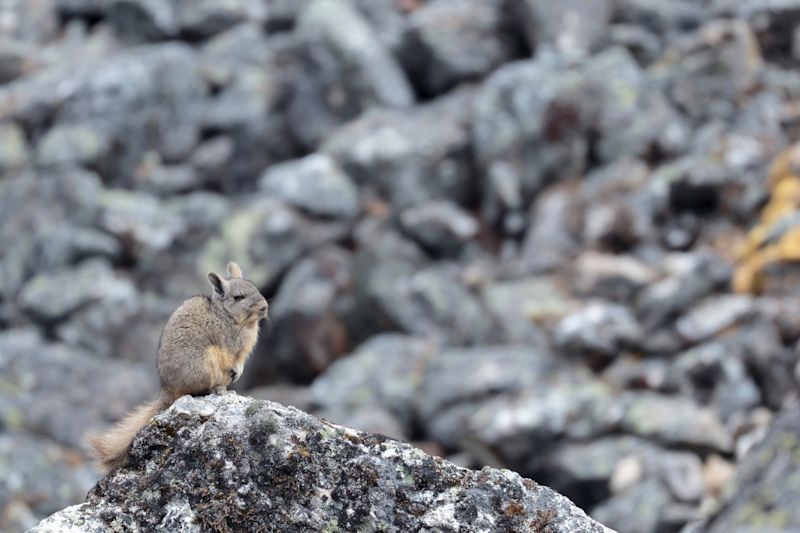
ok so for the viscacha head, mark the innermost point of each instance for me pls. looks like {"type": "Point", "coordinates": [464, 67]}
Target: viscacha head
{"type": "Point", "coordinates": [237, 296]}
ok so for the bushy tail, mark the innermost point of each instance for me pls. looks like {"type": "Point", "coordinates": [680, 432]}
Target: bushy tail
{"type": "Point", "coordinates": [110, 449]}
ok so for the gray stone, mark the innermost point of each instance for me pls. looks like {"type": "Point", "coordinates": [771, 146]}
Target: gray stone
{"type": "Point", "coordinates": [614, 277]}
{"type": "Point", "coordinates": [451, 41]}
{"type": "Point", "coordinates": [411, 156]}
{"type": "Point", "coordinates": [265, 236]}
{"type": "Point", "coordinates": [266, 456]}
{"type": "Point", "coordinates": [713, 315]}
{"type": "Point", "coordinates": [33, 467]}
{"type": "Point", "coordinates": [315, 184]}
{"type": "Point", "coordinates": [342, 69]}
{"type": "Point", "coordinates": [308, 319]}
{"type": "Point", "coordinates": [572, 27]}
{"type": "Point", "coordinates": [77, 144]}
{"type": "Point", "coordinates": [141, 99]}
{"type": "Point", "coordinates": [383, 373]}
{"type": "Point", "coordinates": [600, 328]}
{"type": "Point", "coordinates": [708, 73]}
{"type": "Point", "coordinates": [673, 420]}
{"type": "Point", "coordinates": [533, 118]}
{"type": "Point", "coordinates": [764, 495]}
{"type": "Point", "coordinates": [441, 226]}
{"type": "Point", "coordinates": [53, 296]}
{"type": "Point", "coordinates": [39, 392]}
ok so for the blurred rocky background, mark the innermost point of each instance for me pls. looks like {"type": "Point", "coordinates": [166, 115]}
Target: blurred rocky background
{"type": "Point", "coordinates": [557, 237]}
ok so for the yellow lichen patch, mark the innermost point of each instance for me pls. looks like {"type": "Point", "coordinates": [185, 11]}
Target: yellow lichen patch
{"type": "Point", "coordinates": [776, 238]}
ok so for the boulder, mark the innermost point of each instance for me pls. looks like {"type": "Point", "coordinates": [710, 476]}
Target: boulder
{"type": "Point", "coordinates": [233, 463]}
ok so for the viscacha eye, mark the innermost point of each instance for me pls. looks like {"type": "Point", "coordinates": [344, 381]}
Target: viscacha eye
{"type": "Point", "coordinates": [238, 297]}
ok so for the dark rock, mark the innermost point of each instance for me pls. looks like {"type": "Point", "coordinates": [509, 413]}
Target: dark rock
{"type": "Point", "coordinates": [451, 41]}
{"type": "Point", "coordinates": [265, 236]}
{"type": "Point", "coordinates": [571, 27]}
{"type": "Point", "coordinates": [714, 315]}
{"type": "Point", "coordinates": [315, 184]}
{"type": "Point", "coordinates": [57, 212]}
{"type": "Point", "coordinates": [692, 278]}
{"type": "Point", "coordinates": [764, 495]}
{"type": "Point", "coordinates": [537, 121]}
{"type": "Point", "coordinates": [33, 467]}
{"type": "Point", "coordinates": [519, 305]}
{"type": "Point", "coordinates": [53, 296]}
{"type": "Point", "coordinates": [140, 99]}
{"type": "Point", "coordinates": [260, 451]}
{"type": "Point", "coordinates": [773, 23]}
{"type": "Point", "coordinates": [600, 328]}
{"type": "Point", "coordinates": [553, 227]}
{"type": "Point", "coordinates": [712, 70]}
{"type": "Point", "coordinates": [384, 373]}
{"type": "Point", "coordinates": [440, 226]}
{"type": "Point", "coordinates": [673, 420]}
{"type": "Point", "coordinates": [308, 318]}
{"type": "Point", "coordinates": [430, 303]}
{"type": "Point", "coordinates": [40, 393]}
{"type": "Point", "coordinates": [337, 75]}
{"type": "Point", "coordinates": [411, 156]}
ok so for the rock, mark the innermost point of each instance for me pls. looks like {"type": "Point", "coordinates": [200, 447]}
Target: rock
{"type": "Point", "coordinates": [637, 509]}
{"type": "Point", "coordinates": [342, 69]}
{"type": "Point", "coordinates": [315, 184]}
{"type": "Point", "coordinates": [714, 315]}
{"type": "Point", "coordinates": [661, 18]}
{"type": "Point", "coordinates": [52, 297]}
{"type": "Point", "coordinates": [384, 373]}
{"type": "Point", "coordinates": [308, 319]}
{"type": "Point", "coordinates": [552, 229]}
{"type": "Point", "coordinates": [143, 20]}
{"type": "Point", "coordinates": [265, 236]}
{"type": "Point", "coordinates": [430, 303]}
{"type": "Point", "coordinates": [260, 451]}
{"type": "Point", "coordinates": [572, 28]}
{"type": "Point", "coordinates": [411, 156]}
{"type": "Point", "coordinates": [33, 21]}
{"type": "Point", "coordinates": [78, 144]}
{"type": "Point", "coordinates": [57, 211]}
{"type": "Point", "coordinates": [673, 420]}
{"type": "Point", "coordinates": [533, 118]}
{"type": "Point", "coordinates": [452, 41]}
{"type": "Point", "coordinates": [772, 22]}
{"type": "Point", "coordinates": [710, 71]}
{"type": "Point", "coordinates": [716, 373]}
{"type": "Point", "coordinates": [560, 404]}
{"type": "Point", "coordinates": [33, 467]}
{"type": "Point", "coordinates": [519, 305]}
{"type": "Point", "coordinates": [764, 494]}
{"type": "Point", "coordinates": [598, 329]}
{"type": "Point", "coordinates": [692, 277]}
{"type": "Point", "coordinates": [13, 148]}
{"type": "Point", "coordinates": [441, 226]}
{"type": "Point", "coordinates": [614, 277]}
{"type": "Point", "coordinates": [40, 393]}
{"type": "Point", "coordinates": [141, 99]}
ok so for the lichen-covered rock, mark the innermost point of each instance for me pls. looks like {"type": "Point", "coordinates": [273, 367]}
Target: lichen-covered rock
{"type": "Point", "coordinates": [229, 463]}
{"type": "Point", "coordinates": [765, 493]}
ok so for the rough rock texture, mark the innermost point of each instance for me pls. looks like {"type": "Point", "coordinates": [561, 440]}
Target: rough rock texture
{"type": "Point", "coordinates": [228, 463]}
{"type": "Point", "coordinates": [765, 493]}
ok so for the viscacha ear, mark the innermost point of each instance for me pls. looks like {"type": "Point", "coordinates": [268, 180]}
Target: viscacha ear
{"type": "Point", "coordinates": [234, 271]}
{"type": "Point", "coordinates": [219, 284]}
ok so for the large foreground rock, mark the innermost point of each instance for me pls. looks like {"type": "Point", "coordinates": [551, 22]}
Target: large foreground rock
{"type": "Point", "coordinates": [229, 463]}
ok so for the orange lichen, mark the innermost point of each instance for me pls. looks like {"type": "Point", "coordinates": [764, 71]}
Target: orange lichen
{"type": "Point", "coordinates": [776, 238]}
